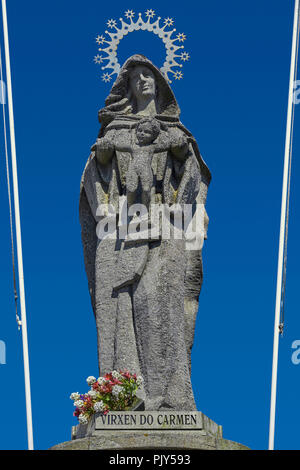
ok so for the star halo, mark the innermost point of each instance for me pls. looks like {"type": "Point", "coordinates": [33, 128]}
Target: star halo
{"type": "Point", "coordinates": [173, 44]}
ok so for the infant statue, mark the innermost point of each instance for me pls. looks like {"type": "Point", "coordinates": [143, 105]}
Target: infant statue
{"type": "Point", "coordinates": [139, 176]}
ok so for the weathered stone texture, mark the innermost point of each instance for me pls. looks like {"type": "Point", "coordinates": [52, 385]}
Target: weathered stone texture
{"type": "Point", "coordinates": [144, 293]}
{"type": "Point", "coordinates": [173, 440]}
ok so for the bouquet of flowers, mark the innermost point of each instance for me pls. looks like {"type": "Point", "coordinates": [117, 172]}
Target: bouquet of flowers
{"type": "Point", "coordinates": [115, 391]}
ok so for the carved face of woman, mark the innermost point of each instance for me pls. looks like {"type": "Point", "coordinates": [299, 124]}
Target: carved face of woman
{"type": "Point", "coordinates": [142, 83]}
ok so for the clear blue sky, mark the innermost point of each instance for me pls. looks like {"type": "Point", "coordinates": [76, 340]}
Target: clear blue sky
{"type": "Point", "coordinates": [233, 98]}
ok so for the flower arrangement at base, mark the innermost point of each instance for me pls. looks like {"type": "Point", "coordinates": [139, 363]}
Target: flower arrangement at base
{"type": "Point", "coordinates": [115, 391]}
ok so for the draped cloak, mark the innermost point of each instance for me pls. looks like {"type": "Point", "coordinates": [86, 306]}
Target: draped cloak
{"type": "Point", "coordinates": [146, 324]}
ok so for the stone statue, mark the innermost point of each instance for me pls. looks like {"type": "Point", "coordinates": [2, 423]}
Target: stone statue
{"type": "Point", "coordinates": [144, 293]}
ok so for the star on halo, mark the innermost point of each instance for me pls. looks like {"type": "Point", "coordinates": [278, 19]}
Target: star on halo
{"type": "Point", "coordinates": [150, 13]}
{"type": "Point", "coordinates": [184, 56]}
{"type": "Point", "coordinates": [168, 22]}
{"type": "Point", "coordinates": [106, 77]}
{"type": "Point", "coordinates": [181, 37]}
{"type": "Point", "coordinates": [98, 59]}
{"type": "Point", "coordinates": [178, 75]}
{"type": "Point", "coordinates": [100, 39]}
{"type": "Point", "coordinates": [111, 23]}
{"type": "Point", "coordinates": [129, 14]}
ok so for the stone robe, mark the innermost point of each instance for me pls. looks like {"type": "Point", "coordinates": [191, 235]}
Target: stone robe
{"type": "Point", "coordinates": [145, 294]}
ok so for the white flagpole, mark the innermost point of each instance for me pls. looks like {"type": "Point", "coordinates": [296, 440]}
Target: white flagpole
{"type": "Point", "coordinates": [18, 230]}
{"type": "Point", "coordinates": [287, 157]}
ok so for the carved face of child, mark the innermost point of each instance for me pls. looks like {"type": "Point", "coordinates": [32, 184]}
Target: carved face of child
{"type": "Point", "coordinates": [145, 133]}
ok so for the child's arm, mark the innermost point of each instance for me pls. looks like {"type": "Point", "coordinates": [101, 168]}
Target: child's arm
{"type": "Point", "coordinates": [178, 146]}
{"type": "Point", "coordinates": [121, 142]}
{"type": "Point", "coordinates": [122, 147]}
{"type": "Point", "coordinates": [163, 144]}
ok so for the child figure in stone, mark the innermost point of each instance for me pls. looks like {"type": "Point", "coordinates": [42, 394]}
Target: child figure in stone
{"type": "Point", "coordinates": [140, 170]}
{"type": "Point", "coordinates": [139, 176]}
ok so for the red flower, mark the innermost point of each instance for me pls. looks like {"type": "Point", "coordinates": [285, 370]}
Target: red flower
{"type": "Point", "coordinates": [126, 374]}
{"type": "Point", "coordinates": [106, 388]}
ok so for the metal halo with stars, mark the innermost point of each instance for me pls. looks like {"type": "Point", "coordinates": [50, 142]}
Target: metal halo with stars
{"type": "Point", "coordinates": [112, 39]}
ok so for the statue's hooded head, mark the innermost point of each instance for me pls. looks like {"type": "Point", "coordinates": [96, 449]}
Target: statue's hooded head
{"type": "Point", "coordinates": [123, 95]}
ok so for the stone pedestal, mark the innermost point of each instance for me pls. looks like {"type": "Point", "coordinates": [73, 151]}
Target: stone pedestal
{"type": "Point", "coordinates": [141, 430]}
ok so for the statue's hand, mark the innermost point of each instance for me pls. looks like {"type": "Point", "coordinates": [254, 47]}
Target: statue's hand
{"type": "Point", "coordinates": [180, 147]}
{"type": "Point", "coordinates": [104, 144]}
{"type": "Point", "coordinates": [104, 149]}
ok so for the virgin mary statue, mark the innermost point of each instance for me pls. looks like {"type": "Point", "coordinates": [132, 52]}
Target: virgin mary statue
{"type": "Point", "coordinates": [144, 293]}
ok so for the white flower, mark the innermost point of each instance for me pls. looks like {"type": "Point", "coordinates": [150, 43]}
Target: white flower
{"type": "Point", "coordinates": [75, 396]}
{"type": "Point", "coordinates": [83, 419]}
{"type": "Point", "coordinates": [139, 380]}
{"type": "Point", "coordinates": [92, 393]}
{"type": "Point", "coordinates": [79, 403]}
{"type": "Point", "coordinates": [99, 406]}
{"type": "Point", "coordinates": [117, 390]}
{"type": "Point", "coordinates": [116, 375]}
{"type": "Point", "coordinates": [101, 380]}
{"type": "Point", "coordinates": [91, 380]}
